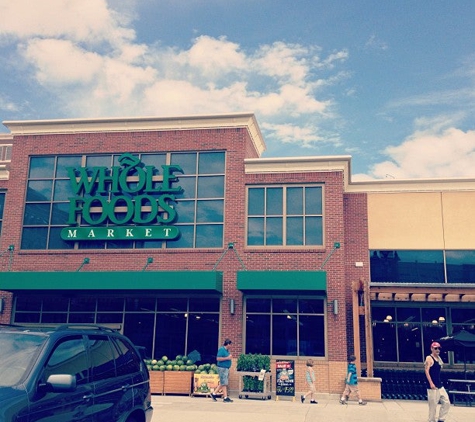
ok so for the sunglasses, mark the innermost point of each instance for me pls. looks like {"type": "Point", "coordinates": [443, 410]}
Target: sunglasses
{"type": "Point", "coordinates": [436, 348]}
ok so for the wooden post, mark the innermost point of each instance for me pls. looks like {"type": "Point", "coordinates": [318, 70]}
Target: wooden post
{"type": "Point", "coordinates": [368, 330]}
{"type": "Point", "coordinates": [356, 325]}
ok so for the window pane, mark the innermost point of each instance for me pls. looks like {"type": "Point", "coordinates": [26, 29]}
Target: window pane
{"type": "Point", "coordinates": [185, 211]}
{"type": "Point", "coordinates": [39, 190]}
{"type": "Point", "coordinates": [410, 342]}
{"type": "Point", "coordinates": [210, 211]}
{"type": "Point", "coordinates": [69, 357]}
{"type": "Point", "coordinates": [258, 334]}
{"type": "Point", "coordinates": [34, 238]}
{"type": "Point", "coordinates": [295, 231]}
{"type": "Point", "coordinates": [211, 162]}
{"type": "Point", "coordinates": [172, 304]}
{"type": "Point", "coordinates": [2, 204]}
{"type": "Point", "coordinates": [63, 190]}
{"type": "Point", "coordinates": [41, 167]}
{"type": "Point", "coordinates": [60, 213]}
{"type": "Point", "coordinates": [284, 306]}
{"type": "Point", "coordinates": [284, 335]}
{"type": "Point", "coordinates": [313, 200]}
{"type": "Point", "coordinates": [170, 335]}
{"type": "Point", "coordinates": [36, 214]}
{"type": "Point", "coordinates": [258, 305]}
{"type": "Point", "coordinates": [460, 266]}
{"type": "Point", "coordinates": [256, 201]}
{"type": "Point", "coordinates": [255, 231]}
{"type": "Point", "coordinates": [209, 236]}
{"type": "Point", "coordinates": [311, 306]}
{"type": "Point", "coordinates": [186, 161]}
{"type": "Point", "coordinates": [188, 184]}
{"type": "Point", "coordinates": [405, 266]}
{"type": "Point", "coordinates": [55, 241]}
{"type": "Point", "coordinates": [294, 201]}
{"type": "Point", "coordinates": [185, 240]}
{"type": "Point", "coordinates": [313, 231]}
{"type": "Point", "coordinates": [64, 162]}
{"type": "Point", "coordinates": [102, 358]}
{"type": "Point", "coordinates": [139, 329]}
{"type": "Point", "coordinates": [274, 201]}
{"type": "Point", "coordinates": [384, 341]}
{"type": "Point", "coordinates": [211, 187]}
{"type": "Point", "coordinates": [274, 234]}
{"type": "Point", "coordinates": [204, 304]}
{"type": "Point", "coordinates": [203, 335]}
{"type": "Point", "coordinates": [155, 160]}
{"type": "Point", "coordinates": [311, 335]}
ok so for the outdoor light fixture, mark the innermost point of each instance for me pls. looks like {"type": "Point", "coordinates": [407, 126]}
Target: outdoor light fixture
{"type": "Point", "coordinates": [336, 246]}
{"type": "Point", "coordinates": [232, 306]}
{"type": "Point", "coordinates": [149, 261]}
{"type": "Point", "coordinates": [84, 262]}
{"type": "Point", "coordinates": [2, 304]}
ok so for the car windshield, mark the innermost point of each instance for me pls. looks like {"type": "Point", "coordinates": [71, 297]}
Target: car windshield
{"type": "Point", "coordinates": [18, 350]}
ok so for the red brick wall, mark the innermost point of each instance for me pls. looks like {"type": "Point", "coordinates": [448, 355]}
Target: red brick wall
{"type": "Point", "coordinates": [345, 222]}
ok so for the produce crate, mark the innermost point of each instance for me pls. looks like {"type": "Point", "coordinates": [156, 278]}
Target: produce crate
{"type": "Point", "coordinates": [156, 382]}
{"type": "Point", "coordinates": [266, 386]}
{"type": "Point", "coordinates": [177, 382]}
{"type": "Point", "coordinates": [205, 384]}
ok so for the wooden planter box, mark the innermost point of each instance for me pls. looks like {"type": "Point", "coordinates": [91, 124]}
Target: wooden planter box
{"type": "Point", "coordinates": [177, 382]}
{"type": "Point", "coordinates": [156, 382]}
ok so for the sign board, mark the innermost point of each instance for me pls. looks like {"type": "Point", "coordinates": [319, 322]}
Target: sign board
{"type": "Point", "coordinates": [285, 378]}
{"type": "Point", "coordinates": [205, 383]}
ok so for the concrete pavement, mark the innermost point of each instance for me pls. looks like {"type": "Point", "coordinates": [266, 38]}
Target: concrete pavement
{"type": "Point", "coordinates": [328, 409]}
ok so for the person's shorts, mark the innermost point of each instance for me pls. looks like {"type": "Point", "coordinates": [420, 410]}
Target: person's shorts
{"type": "Point", "coordinates": [223, 375]}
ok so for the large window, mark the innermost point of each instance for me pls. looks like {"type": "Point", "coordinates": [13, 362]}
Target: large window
{"type": "Point", "coordinates": [199, 206]}
{"type": "Point", "coordinates": [422, 266]}
{"type": "Point", "coordinates": [404, 333]}
{"type": "Point", "coordinates": [164, 326]}
{"type": "Point", "coordinates": [285, 216]}
{"type": "Point", "coordinates": [285, 326]}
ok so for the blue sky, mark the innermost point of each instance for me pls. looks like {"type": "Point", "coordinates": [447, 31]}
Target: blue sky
{"type": "Point", "coordinates": [391, 83]}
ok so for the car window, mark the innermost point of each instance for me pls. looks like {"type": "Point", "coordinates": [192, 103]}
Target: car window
{"type": "Point", "coordinates": [69, 357]}
{"type": "Point", "coordinates": [18, 350]}
{"type": "Point", "coordinates": [128, 361]}
{"type": "Point", "coordinates": [102, 358]}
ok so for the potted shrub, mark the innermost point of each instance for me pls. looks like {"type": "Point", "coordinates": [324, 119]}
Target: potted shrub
{"type": "Point", "coordinates": [254, 375]}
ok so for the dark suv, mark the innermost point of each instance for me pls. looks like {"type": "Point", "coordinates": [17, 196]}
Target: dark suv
{"type": "Point", "coordinates": [71, 373]}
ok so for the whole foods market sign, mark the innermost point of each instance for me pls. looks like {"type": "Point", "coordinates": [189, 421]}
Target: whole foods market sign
{"type": "Point", "coordinates": [128, 196]}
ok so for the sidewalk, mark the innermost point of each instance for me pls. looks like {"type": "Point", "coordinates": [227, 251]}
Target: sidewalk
{"type": "Point", "coordinates": [328, 409]}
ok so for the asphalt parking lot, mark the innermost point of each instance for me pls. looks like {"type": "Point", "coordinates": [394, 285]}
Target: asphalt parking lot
{"type": "Point", "coordinates": [328, 409]}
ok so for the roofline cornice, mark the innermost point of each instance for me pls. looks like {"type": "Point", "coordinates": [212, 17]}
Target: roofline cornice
{"type": "Point", "coordinates": [120, 124]}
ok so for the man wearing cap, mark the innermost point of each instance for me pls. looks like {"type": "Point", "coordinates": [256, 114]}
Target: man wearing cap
{"type": "Point", "coordinates": [223, 361]}
{"type": "Point", "coordinates": [435, 390]}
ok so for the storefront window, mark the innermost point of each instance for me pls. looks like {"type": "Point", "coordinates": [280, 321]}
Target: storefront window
{"type": "Point", "coordinates": [164, 325]}
{"type": "Point", "coordinates": [404, 266]}
{"type": "Point", "coordinates": [199, 207]}
{"type": "Point", "coordinates": [285, 216]}
{"type": "Point", "coordinates": [285, 326]}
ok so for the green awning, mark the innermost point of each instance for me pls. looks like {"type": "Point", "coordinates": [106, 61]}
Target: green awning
{"type": "Point", "coordinates": [190, 281]}
{"type": "Point", "coordinates": [279, 281]}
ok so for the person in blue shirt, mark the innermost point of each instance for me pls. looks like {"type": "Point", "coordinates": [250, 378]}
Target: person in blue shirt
{"type": "Point", "coordinates": [223, 361]}
{"type": "Point", "coordinates": [351, 383]}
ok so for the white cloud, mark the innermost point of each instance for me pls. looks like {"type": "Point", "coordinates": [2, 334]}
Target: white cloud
{"type": "Point", "coordinates": [449, 152]}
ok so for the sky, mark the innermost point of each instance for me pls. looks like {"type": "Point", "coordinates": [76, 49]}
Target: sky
{"type": "Point", "coordinates": [389, 82]}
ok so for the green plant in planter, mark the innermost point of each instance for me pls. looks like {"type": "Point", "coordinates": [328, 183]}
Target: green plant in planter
{"type": "Point", "coordinates": [253, 363]}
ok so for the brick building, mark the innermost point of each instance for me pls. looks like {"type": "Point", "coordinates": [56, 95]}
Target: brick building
{"type": "Point", "coordinates": [178, 233]}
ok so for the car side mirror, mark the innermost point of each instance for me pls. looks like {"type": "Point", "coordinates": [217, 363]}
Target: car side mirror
{"type": "Point", "coordinates": [60, 383]}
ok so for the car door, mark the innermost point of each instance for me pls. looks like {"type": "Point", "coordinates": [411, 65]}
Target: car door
{"type": "Point", "coordinates": [113, 398]}
{"type": "Point", "coordinates": [68, 356]}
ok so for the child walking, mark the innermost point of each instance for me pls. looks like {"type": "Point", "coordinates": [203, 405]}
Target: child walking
{"type": "Point", "coordinates": [310, 379]}
{"type": "Point", "coordinates": [351, 382]}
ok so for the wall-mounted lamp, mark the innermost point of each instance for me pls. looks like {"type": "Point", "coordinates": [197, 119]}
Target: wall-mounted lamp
{"type": "Point", "coordinates": [334, 305]}
{"type": "Point", "coordinates": [149, 261]}
{"type": "Point", "coordinates": [336, 246]}
{"type": "Point", "coordinates": [84, 262]}
{"type": "Point", "coordinates": [2, 304]}
{"type": "Point", "coordinates": [232, 306]}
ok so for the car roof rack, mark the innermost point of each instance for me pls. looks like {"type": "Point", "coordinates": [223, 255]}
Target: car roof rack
{"type": "Point", "coordinates": [84, 327]}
